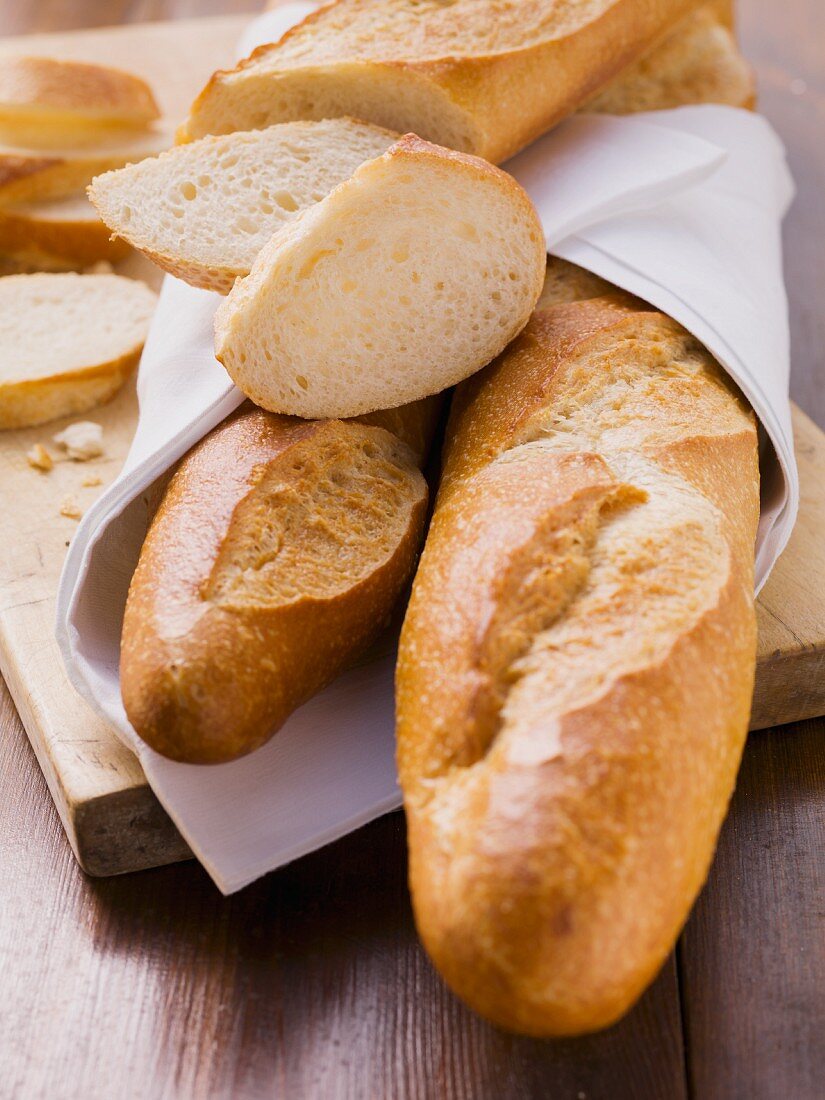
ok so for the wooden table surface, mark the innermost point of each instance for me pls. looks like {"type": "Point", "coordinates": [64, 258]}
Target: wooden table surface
{"type": "Point", "coordinates": [311, 984]}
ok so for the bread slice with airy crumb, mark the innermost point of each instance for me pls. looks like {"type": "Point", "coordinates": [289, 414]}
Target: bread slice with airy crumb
{"type": "Point", "coordinates": [57, 234]}
{"type": "Point", "coordinates": [67, 342]}
{"type": "Point", "coordinates": [406, 279]}
{"type": "Point", "coordinates": [204, 211]}
{"type": "Point", "coordinates": [44, 97]}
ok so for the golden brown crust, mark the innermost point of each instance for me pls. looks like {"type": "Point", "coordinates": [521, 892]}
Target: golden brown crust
{"type": "Point", "coordinates": [491, 105]}
{"type": "Point", "coordinates": [576, 663]}
{"type": "Point", "coordinates": [274, 560]}
{"type": "Point", "coordinates": [24, 404]}
{"type": "Point", "coordinates": [60, 90]}
{"type": "Point", "coordinates": [71, 241]}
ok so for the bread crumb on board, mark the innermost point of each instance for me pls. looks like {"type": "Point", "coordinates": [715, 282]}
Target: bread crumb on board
{"type": "Point", "coordinates": [90, 481]}
{"type": "Point", "coordinates": [39, 458]}
{"type": "Point", "coordinates": [81, 441]}
{"type": "Point", "coordinates": [70, 509]}
{"type": "Point", "coordinates": [100, 267]}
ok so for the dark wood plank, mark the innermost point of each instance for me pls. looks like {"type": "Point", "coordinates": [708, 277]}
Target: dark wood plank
{"type": "Point", "coordinates": [752, 959]}
{"type": "Point", "coordinates": [310, 983]}
{"type": "Point", "coordinates": [786, 44]}
{"type": "Point", "coordinates": [753, 954]}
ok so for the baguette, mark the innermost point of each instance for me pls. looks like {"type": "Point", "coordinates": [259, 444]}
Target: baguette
{"type": "Point", "coordinates": [67, 342]}
{"type": "Point", "coordinates": [204, 211]}
{"type": "Point", "coordinates": [577, 661]}
{"type": "Point", "coordinates": [698, 62]}
{"type": "Point", "coordinates": [274, 560]}
{"type": "Point", "coordinates": [61, 234]}
{"type": "Point", "coordinates": [482, 77]}
{"type": "Point", "coordinates": [296, 163]}
{"type": "Point", "coordinates": [29, 174]}
{"type": "Point", "coordinates": [41, 98]}
{"type": "Point", "coordinates": [408, 277]}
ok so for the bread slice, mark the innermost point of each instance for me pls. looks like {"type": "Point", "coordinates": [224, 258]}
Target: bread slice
{"type": "Point", "coordinates": [67, 342]}
{"type": "Point", "coordinates": [43, 97]}
{"type": "Point", "coordinates": [699, 62]}
{"type": "Point", "coordinates": [204, 211]}
{"type": "Point", "coordinates": [58, 234]}
{"type": "Point", "coordinates": [28, 174]}
{"type": "Point", "coordinates": [407, 278]}
{"type": "Point", "coordinates": [482, 76]}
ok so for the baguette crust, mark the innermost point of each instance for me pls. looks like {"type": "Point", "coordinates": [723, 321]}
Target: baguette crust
{"type": "Point", "coordinates": [29, 402]}
{"type": "Point", "coordinates": [58, 93]}
{"type": "Point", "coordinates": [67, 342]}
{"type": "Point", "coordinates": [62, 235]}
{"type": "Point", "coordinates": [491, 102]}
{"type": "Point", "coordinates": [576, 665]}
{"type": "Point", "coordinates": [28, 174]}
{"type": "Point", "coordinates": [275, 558]}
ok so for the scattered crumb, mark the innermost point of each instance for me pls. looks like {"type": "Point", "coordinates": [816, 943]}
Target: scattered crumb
{"type": "Point", "coordinates": [90, 481]}
{"type": "Point", "coordinates": [81, 441]}
{"type": "Point", "coordinates": [102, 267]}
{"type": "Point", "coordinates": [69, 508]}
{"type": "Point", "coordinates": [39, 458]}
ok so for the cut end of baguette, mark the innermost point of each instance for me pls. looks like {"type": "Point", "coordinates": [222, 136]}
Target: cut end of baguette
{"type": "Point", "coordinates": [204, 211]}
{"type": "Point", "coordinates": [43, 97]}
{"type": "Point", "coordinates": [406, 279]}
{"type": "Point", "coordinates": [67, 342]}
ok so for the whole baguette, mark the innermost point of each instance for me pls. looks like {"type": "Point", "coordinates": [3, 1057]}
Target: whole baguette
{"type": "Point", "coordinates": [277, 554]}
{"type": "Point", "coordinates": [481, 76]}
{"type": "Point", "coordinates": [577, 661]}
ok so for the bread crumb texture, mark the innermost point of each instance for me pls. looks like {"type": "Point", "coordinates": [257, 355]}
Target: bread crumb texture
{"type": "Point", "coordinates": [407, 278]}
{"type": "Point", "coordinates": [203, 211]}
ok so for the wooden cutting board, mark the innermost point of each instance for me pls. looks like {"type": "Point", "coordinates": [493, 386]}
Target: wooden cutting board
{"type": "Point", "coordinates": [112, 819]}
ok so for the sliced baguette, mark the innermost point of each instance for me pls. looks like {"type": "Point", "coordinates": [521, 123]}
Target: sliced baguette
{"type": "Point", "coordinates": [275, 558]}
{"type": "Point", "coordinates": [67, 342]}
{"type": "Point", "coordinates": [59, 233]}
{"type": "Point", "coordinates": [28, 174]}
{"type": "Point", "coordinates": [406, 279]}
{"type": "Point", "coordinates": [294, 164]}
{"type": "Point", "coordinates": [41, 98]}
{"type": "Point", "coordinates": [204, 211]}
{"type": "Point", "coordinates": [482, 76]}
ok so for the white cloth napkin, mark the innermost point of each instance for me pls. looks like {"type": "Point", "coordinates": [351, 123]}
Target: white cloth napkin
{"type": "Point", "coordinates": [680, 207]}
